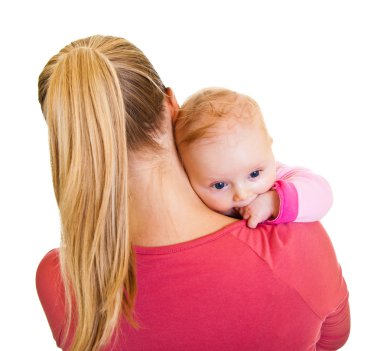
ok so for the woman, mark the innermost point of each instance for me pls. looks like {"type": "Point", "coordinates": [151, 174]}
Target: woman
{"type": "Point", "coordinates": [193, 279]}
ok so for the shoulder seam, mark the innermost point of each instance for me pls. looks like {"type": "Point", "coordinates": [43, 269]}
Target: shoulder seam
{"type": "Point", "coordinates": [278, 277]}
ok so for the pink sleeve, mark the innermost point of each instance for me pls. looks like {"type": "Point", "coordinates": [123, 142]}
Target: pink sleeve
{"type": "Point", "coordinates": [302, 256]}
{"type": "Point", "coordinates": [335, 329]}
{"type": "Point", "coordinates": [304, 195]}
{"type": "Point", "coordinates": [313, 270]}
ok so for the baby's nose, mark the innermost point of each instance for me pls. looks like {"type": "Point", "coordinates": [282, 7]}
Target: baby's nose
{"type": "Point", "coordinates": [240, 195]}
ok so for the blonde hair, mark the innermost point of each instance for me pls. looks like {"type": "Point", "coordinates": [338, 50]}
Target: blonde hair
{"type": "Point", "coordinates": [100, 97]}
{"type": "Point", "coordinates": [202, 111]}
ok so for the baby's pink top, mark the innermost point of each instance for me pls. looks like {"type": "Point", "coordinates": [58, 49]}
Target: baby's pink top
{"type": "Point", "coordinates": [276, 287]}
{"type": "Point", "coordinates": [304, 195]}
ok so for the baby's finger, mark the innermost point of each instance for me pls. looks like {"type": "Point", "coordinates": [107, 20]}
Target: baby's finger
{"type": "Point", "coordinates": [246, 215]}
{"type": "Point", "coordinates": [243, 212]}
{"type": "Point", "coordinates": [253, 222]}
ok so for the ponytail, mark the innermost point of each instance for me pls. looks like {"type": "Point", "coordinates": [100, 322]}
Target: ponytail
{"type": "Point", "coordinates": [85, 110]}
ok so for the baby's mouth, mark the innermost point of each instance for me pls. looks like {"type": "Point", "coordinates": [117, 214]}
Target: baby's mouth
{"type": "Point", "coordinates": [233, 212]}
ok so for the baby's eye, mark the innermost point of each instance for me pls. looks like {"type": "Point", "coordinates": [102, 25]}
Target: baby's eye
{"type": "Point", "coordinates": [219, 185]}
{"type": "Point", "coordinates": [254, 174]}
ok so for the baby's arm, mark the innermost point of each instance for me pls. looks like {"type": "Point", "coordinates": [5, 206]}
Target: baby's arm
{"type": "Point", "coordinates": [312, 199]}
{"type": "Point", "coordinates": [298, 195]}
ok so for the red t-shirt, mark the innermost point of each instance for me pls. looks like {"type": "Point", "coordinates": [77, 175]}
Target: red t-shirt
{"type": "Point", "coordinates": [276, 287]}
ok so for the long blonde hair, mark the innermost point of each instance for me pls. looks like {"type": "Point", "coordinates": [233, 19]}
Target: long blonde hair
{"type": "Point", "coordinates": [100, 97]}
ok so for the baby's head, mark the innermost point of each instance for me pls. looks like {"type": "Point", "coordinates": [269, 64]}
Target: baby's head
{"type": "Point", "coordinates": [225, 148]}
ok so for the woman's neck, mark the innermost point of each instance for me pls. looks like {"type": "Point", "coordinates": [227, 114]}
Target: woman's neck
{"type": "Point", "coordinates": [164, 209]}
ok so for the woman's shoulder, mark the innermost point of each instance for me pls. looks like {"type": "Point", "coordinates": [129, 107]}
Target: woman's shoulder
{"type": "Point", "coordinates": [273, 241]}
{"type": "Point", "coordinates": [302, 256]}
{"type": "Point", "coordinates": [50, 291]}
{"type": "Point", "coordinates": [49, 269]}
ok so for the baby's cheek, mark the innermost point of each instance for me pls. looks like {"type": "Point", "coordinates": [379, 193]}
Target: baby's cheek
{"type": "Point", "coordinates": [216, 202]}
{"type": "Point", "coordinates": [265, 185]}
{"type": "Point", "coordinates": [206, 197]}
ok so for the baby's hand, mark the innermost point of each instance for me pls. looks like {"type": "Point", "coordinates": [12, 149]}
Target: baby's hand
{"type": "Point", "coordinates": [265, 206]}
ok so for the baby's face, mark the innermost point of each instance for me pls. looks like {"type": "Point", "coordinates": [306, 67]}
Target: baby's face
{"type": "Point", "coordinates": [230, 169]}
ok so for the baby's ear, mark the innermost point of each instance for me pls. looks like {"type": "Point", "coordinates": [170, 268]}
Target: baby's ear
{"type": "Point", "coordinates": [172, 103]}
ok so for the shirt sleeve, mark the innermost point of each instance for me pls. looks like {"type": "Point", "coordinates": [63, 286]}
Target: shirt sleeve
{"type": "Point", "coordinates": [304, 195]}
{"type": "Point", "coordinates": [335, 329]}
{"type": "Point", "coordinates": [302, 255]}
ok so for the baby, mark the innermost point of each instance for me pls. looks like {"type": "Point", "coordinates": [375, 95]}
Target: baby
{"type": "Point", "coordinates": [227, 154]}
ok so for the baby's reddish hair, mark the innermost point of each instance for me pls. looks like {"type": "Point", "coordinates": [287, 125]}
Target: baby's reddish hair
{"type": "Point", "coordinates": [201, 112]}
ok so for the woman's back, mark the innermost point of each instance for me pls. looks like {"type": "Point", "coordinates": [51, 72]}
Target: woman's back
{"type": "Point", "coordinates": [272, 288]}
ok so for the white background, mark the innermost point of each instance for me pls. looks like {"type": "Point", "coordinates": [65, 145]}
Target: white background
{"type": "Point", "coordinates": [313, 66]}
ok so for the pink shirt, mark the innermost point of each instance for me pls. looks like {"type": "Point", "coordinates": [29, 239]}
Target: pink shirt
{"type": "Point", "coordinates": [276, 287]}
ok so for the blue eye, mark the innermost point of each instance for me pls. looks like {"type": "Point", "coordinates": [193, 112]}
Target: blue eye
{"type": "Point", "coordinates": [219, 185]}
{"type": "Point", "coordinates": [254, 174]}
